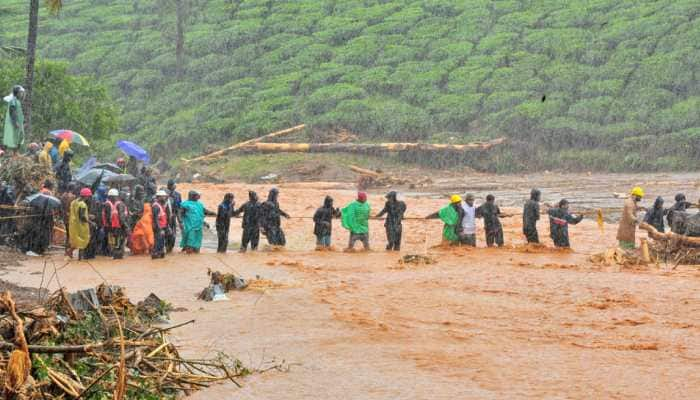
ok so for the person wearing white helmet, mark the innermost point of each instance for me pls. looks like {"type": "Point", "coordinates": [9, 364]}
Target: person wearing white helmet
{"type": "Point", "coordinates": [161, 216]}
{"type": "Point", "coordinates": [115, 220]}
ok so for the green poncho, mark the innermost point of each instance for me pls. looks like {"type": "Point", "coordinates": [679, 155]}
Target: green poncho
{"type": "Point", "coordinates": [13, 138]}
{"type": "Point", "coordinates": [449, 216]}
{"type": "Point", "coordinates": [355, 217]}
{"type": "Point", "coordinates": [192, 224]}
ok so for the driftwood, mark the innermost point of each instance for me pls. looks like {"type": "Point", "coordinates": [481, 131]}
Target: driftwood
{"type": "Point", "coordinates": [669, 236]}
{"type": "Point", "coordinates": [363, 147]}
{"type": "Point", "coordinates": [363, 171]}
{"type": "Point", "coordinates": [236, 146]}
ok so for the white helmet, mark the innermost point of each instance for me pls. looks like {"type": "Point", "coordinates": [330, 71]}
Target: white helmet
{"type": "Point", "coordinates": [162, 193]}
{"type": "Point", "coordinates": [113, 192]}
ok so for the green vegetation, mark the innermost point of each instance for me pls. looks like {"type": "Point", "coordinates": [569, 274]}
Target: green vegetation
{"type": "Point", "coordinates": [619, 76]}
{"type": "Point", "coordinates": [64, 101]}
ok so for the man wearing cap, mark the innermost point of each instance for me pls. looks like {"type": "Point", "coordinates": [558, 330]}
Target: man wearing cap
{"type": "Point", "coordinates": [626, 231]}
{"type": "Point", "coordinates": [160, 223]}
{"type": "Point", "coordinates": [79, 225]}
{"type": "Point", "coordinates": [355, 218]}
{"type": "Point", "coordinates": [115, 221]}
{"type": "Point", "coordinates": [13, 132]}
{"type": "Point", "coordinates": [451, 215]}
{"type": "Point", "coordinates": [468, 235]}
{"type": "Point", "coordinates": [394, 210]}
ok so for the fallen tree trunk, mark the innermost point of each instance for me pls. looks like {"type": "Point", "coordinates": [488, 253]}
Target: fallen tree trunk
{"type": "Point", "coordinates": [363, 147]}
{"type": "Point", "coordinates": [363, 171]}
{"type": "Point", "coordinates": [656, 235]}
{"type": "Point", "coordinates": [236, 146]}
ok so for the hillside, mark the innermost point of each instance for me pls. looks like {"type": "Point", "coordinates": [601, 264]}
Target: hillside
{"type": "Point", "coordinates": [600, 84]}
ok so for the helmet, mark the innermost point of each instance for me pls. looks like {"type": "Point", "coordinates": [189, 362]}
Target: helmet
{"type": "Point", "coordinates": [113, 192]}
{"type": "Point", "coordinates": [85, 192]}
{"type": "Point", "coordinates": [162, 193]}
{"type": "Point", "coordinates": [637, 191]}
{"type": "Point", "coordinates": [455, 199]}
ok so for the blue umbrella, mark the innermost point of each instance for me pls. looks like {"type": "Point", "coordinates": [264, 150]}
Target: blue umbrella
{"type": "Point", "coordinates": [134, 150]}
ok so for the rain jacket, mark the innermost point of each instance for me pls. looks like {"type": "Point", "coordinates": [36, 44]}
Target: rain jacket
{"type": "Point", "coordinates": [559, 220]}
{"type": "Point", "coordinates": [45, 156]}
{"type": "Point", "coordinates": [323, 225]}
{"type": "Point", "coordinates": [193, 220]}
{"type": "Point", "coordinates": [394, 211]}
{"type": "Point", "coordinates": [13, 137]}
{"type": "Point", "coordinates": [65, 145]}
{"type": "Point", "coordinates": [450, 217]}
{"type": "Point", "coordinates": [490, 213]}
{"type": "Point", "coordinates": [142, 238]}
{"type": "Point", "coordinates": [78, 226]}
{"type": "Point", "coordinates": [655, 216]}
{"type": "Point", "coordinates": [355, 217]}
{"type": "Point", "coordinates": [628, 223]}
{"type": "Point", "coordinates": [531, 214]}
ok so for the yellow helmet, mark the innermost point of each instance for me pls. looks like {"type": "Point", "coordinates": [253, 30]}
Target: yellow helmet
{"type": "Point", "coordinates": [637, 191]}
{"type": "Point", "coordinates": [455, 199]}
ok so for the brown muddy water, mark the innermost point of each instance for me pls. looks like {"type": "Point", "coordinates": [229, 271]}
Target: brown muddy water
{"type": "Point", "coordinates": [478, 324]}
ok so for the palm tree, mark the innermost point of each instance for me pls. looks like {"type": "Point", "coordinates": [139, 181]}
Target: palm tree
{"type": "Point", "coordinates": [54, 7]}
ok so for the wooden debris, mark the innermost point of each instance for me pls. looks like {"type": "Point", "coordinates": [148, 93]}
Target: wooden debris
{"type": "Point", "coordinates": [363, 147]}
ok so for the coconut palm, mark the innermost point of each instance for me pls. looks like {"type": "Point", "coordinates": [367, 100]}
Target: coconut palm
{"type": "Point", "coordinates": [54, 6]}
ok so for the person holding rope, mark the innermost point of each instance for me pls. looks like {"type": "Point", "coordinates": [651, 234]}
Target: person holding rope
{"type": "Point", "coordinates": [394, 210]}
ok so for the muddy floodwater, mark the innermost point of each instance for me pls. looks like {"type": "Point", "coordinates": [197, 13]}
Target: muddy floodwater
{"type": "Point", "coordinates": [508, 323]}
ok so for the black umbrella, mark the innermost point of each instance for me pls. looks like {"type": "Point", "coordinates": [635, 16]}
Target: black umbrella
{"type": "Point", "coordinates": [109, 167]}
{"type": "Point", "coordinates": [120, 178]}
{"type": "Point", "coordinates": [44, 201]}
{"type": "Point", "coordinates": [89, 178]}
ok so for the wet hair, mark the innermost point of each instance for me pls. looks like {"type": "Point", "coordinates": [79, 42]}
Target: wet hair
{"type": "Point", "coordinates": [48, 184]}
{"type": "Point", "coordinates": [171, 182]}
{"type": "Point", "coordinates": [563, 202]}
{"type": "Point", "coordinates": [490, 197]}
{"type": "Point", "coordinates": [680, 197]}
{"type": "Point", "coordinates": [228, 196]}
{"type": "Point", "coordinates": [535, 194]}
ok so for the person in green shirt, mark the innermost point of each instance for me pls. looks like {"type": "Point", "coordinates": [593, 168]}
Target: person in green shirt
{"type": "Point", "coordinates": [355, 218]}
{"type": "Point", "coordinates": [451, 215]}
{"type": "Point", "coordinates": [13, 132]}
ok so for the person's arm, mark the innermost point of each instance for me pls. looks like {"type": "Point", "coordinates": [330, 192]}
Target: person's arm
{"type": "Point", "coordinates": [382, 212]}
{"type": "Point", "coordinates": [282, 213]}
{"type": "Point", "coordinates": [337, 213]}
{"type": "Point", "coordinates": [239, 211]}
{"type": "Point", "coordinates": [317, 217]}
{"type": "Point", "coordinates": [434, 215]}
{"type": "Point", "coordinates": [573, 220]}
{"type": "Point", "coordinates": [156, 212]}
{"type": "Point", "coordinates": [121, 211]}
{"type": "Point", "coordinates": [209, 213]}
{"type": "Point", "coordinates": [630, 212]}
{"type": "Point", "coordinates": [13, 116]}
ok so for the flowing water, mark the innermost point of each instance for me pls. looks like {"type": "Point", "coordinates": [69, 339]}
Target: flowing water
{"type": "Point", "coordinates": [479, 324]}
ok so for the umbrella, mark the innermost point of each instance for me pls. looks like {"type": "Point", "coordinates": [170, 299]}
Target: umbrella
{"type": "Point", "coordinates": [87, 166]}
{"type": "Point", "coordinates": [41, 200]}
{"type": "Point", "coordinates": [89, 178]}
{"type": "Point", "coordinates": [119, 178]}
{"type": "Point", "coordinates": [134, 150]}
{"type": "Point", "coordinates": [109, 167]}
{"type": "Point", "coordinates": [71, 136]}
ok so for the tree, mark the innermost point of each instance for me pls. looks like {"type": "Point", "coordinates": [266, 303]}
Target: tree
{"type": "Point", "coordinates": [54, 7]}
{"type": "Point", "coordinates": [181, 15]}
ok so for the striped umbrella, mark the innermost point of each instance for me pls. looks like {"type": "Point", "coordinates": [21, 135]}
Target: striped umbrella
{"type": "Point", "coordinates": [70, 136]}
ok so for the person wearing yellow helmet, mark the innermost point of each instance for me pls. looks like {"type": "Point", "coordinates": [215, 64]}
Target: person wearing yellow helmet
{"type": "Point", "coordinates": [627, 228]}
{"type": "Point", "coordinates": [451, 215]}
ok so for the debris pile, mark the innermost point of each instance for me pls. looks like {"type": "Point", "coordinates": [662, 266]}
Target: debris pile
{"type": "Point", "coordinates": [96, 344]}
{"type": "Point", "coordinates": [374, 179]}
{"type": "Point", "coordinates": [416, 259]}
{"type": "Point", "coordinates": [22, 172]}
{"type": "Point", "coordinates": [617, 256]}
{"type": "Point", "coordinates": [220, 284]}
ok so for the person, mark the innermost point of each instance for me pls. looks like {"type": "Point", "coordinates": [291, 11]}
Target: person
{"type": "Point", "coordinates": [142, 237]}
{"type": "Point", "coordinates": [559, 220]}
{"type": "Point", "coordinates": [45, 156]}
{"type": "Point", "coordinates": [394, 210]}
{"type": "Point", "coordinates": [7, 226]}
{"type": "Point", "coordinates": [148, 182]}
{"type": "Point", "coordinates": [63, 171]}
{"type": "Point", "coordinates": [174, 202]}
{"type": "Point", "coordinates": [67, 199]}
{"type": "Point", "coordinates": [468, 234]}
{"type": "Point", "coordinates": [223, 222]}
{"type": "Point", "coordinates": [323, 223]}
{"type": "Point", "coordinates": [193, 213]}
{"type": "Point", "coordinates": [115, 219]}
{"type": "Point", "coordinates": [94, 209]}
{"type": "Point", "coordinates": [63, 147]}
{"type": "Point", "coordinates": [136, 203]}
{"type": "Point", "coordinates": [680, 205]}
{"type": "Point", "coordinates": [451, 215]}
{"type": "Point", "coordinates": [122, 165]}
{"type": "Point", "coordinates": [160, 224]}
{"type": "Point", "coordinates": [251, 222]}
{"type": "Point", "coordinates": [132, 166]}
{"type": "Point", "coordinates": [79, 226]}
{"type": "Point", "coordinates": [270, 217]}
{"type": "Point", "coordinates": [39, 231]}
{"type": "Point", "coordinates": [98, 202]}
{"type": "Point", "coordinates": [490, 212]}
{"type": "Point", "coordinates": [53, 152]}
{"type": "Point", "coordinates": [13, 132]}
{"type": "Point", "coordinates": [628, 223]}
{"type": "Point", "coordinates": [33, 151]}
{"type": "Point", "coordinates": [655, 216]}
{"type": "Point", "coordinates": [355, 218]}
{"type": "Point", "coordinates": [531, 214]}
